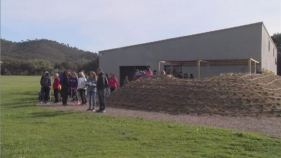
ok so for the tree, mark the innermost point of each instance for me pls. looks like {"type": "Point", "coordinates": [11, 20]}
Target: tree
{"type": "Point", "coordinates": [90, 66]}
{"type": "Point", "coordinates": [277, 40]}
{"type": "Point", "coordinates": [41, 66]}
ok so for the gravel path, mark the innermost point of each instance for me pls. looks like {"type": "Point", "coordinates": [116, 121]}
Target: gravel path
{"type": "Point", "coordinates": [268, 126]}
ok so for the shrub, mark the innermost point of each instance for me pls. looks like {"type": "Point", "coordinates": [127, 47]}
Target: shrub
{"type": "Point", "coordinates": [268, 72]}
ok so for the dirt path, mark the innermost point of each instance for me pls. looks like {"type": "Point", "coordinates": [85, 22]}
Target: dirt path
{"type": "Point", "coordinates": [270, 126]}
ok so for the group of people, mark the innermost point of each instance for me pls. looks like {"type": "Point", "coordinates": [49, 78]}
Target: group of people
{"type": "Point", "coordinates": [139, 73]}
{"type": "Point", "coordinates": [68, 84]}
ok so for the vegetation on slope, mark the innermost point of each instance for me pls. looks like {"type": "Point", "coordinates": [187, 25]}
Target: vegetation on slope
{"type": "Point", "coordinates": [31, 57]}
{"type": "Point", "coordinates": [227, 95]}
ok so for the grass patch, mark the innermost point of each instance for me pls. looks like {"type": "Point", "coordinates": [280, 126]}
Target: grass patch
{"type": "Point", "coordinates": [31, 131]}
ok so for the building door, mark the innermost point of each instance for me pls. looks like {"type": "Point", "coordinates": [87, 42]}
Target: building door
{"type": "Point", "coordinates": [129, 71]}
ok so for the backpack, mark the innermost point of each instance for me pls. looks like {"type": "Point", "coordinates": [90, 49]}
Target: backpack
{"type": "Point", "coordinates": [105, 82]}
{"type": "Point", "coordinates": [45, 82]}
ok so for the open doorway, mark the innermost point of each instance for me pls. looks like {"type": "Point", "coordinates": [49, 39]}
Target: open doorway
{"type": "Point", "coordinates": [129, 71]}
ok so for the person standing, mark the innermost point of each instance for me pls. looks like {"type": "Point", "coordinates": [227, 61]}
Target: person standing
{"type": "Point", "coordinates": [148, 72]}
{"type": "Point", "coordinates": [136, 75]}
{"type": "Point", "coordinates": [82, 87]}
{"type": "Point", "coordinates": [46, 84]}
{"type": "Point", "coordinates": [92, 90]}
{"type": "Point", "coordinates": [107, 89]}
{"type": "Point", "coordinates": [113, 82]}
{"type": "Point", "coordinates": [126, 80]}
{"type": "Point", "coordinates": [74, 85]}
{"type": "Point", "coordinates": [102, 83]}
{"type": "Point", "coordinates": [56, 87]}
{"type": "Point", "coordinates": [65, 84]}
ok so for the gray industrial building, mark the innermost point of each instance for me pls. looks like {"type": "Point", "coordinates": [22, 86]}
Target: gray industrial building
{"type": "Point", "coordinates": [247, 48]}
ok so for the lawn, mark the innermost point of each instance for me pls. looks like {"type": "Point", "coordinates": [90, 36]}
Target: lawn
{"type": "Point", "coordinates": [30, 131]}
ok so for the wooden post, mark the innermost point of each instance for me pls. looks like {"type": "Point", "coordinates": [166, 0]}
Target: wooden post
{"type": "Point", "coordinates": [249, 65]}
{"type": "Point", "coordinates": [198, 69]}
{"type": "Point", "coordinates": [255, 67]}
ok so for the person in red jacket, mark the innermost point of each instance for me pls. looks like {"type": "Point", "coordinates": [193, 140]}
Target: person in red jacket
{"type": "Point", "coordinates": [148, 72]}
{"type": "Point", "coordinates": [56, 87]}
{"type": "Point", "coordinates": [113, 82]}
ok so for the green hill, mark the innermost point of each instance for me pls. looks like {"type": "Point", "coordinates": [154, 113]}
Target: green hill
{"type": "Point", "coordinates": [44, 49]}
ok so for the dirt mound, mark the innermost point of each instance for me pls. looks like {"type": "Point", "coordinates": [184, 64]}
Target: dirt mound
{"type": "Point", "coordinates": [227, 95]}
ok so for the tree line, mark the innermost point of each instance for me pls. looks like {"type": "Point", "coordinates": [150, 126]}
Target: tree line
{"type": "Point", "coordinates": [277, 40]}
{"type": "Point", "coordinates": [38, 66]}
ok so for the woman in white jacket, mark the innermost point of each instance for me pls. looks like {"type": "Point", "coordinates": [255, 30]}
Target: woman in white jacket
{"type": "Point", "coordinates": [82, 87]}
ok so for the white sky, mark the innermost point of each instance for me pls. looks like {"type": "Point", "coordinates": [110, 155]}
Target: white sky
{"type": "Point", "coordinates": [95, 25]}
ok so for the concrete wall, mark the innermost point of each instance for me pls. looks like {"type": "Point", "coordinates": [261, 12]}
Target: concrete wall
{"type": "Point", "coordinates": [238, 42]}
{"type": "Point", "coordinates": [269, 53]}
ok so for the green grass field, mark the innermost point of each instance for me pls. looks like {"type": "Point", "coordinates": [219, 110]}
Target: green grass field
{"type": "Point", "coordinates": [30, 131]}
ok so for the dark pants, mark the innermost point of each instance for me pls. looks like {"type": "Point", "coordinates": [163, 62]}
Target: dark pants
{"type": "Point", "coordinates": [64, 95]}
{"type": "Point", "coordinates": [42, 94]}
{"type": "Point", "coordinates": [46, 94]}
{"type": "Point", "coordinates": [112, 89]}
{"type": "Point", "coordinates": [56, 95]}
{"type": "Point", "coordinates": [101, 99]}
{"type": "Point", "coordinates": [82, 95]}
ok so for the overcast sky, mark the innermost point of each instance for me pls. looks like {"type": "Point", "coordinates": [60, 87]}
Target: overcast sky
{"type": "Point", "coordinates": [95, 25]}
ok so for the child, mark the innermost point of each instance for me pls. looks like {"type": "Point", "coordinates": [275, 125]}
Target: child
{"type": "Point", "coordinates": [74, 85]}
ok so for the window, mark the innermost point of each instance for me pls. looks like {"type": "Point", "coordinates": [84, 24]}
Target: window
{"type": "Point", "coordinates": [269, 46]}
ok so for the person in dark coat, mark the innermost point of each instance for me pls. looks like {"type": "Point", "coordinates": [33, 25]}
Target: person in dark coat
{"type": "Point", "coordinates": [65, 85]}
{"type": "Point", "coordinates": [46, 85]}
{"type": "Point", "coordinates": [42, 94]}
{"type": "Point", "coordinates": [102, 83]}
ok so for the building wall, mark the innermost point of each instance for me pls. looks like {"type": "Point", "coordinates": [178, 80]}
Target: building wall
{"type": "Point", "coordinates": [269, 52]}
{"type": "Point", "coordinates": [238, 42]}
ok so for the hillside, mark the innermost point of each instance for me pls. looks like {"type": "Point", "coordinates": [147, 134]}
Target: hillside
{"type": "Point", "coordinates": [227, 95]}
{"type": "Point", "coordinates": [44, 49]}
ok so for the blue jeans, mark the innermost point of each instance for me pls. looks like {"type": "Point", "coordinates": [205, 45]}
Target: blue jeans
{"type": "Point", "coordinates": [101, 99]}
{"type": "Point", "coordinates": [92, 100]}
{"type": "Point", "coordinates": [74, 95]}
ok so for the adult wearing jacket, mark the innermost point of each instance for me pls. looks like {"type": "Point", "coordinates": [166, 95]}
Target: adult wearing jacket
{"type": "Point", "coordinates": [102, 83]}
{"type": "Point", "coordinates": [46, 84]}
{"type": "Point", "coordinates": [92, 90]}
{"type": "Point", "coordinates": [65, 85]}
{"type": "Point", "coordinates": [82, 87]}
{"type": "Point", "coordinates": [149, 72]}
{"type": "Point", "coordinates": [56, 87]}
{"type": "Point", "coordinates": [41, 94]}
{"type": "Point", "coordinates": [113, 82]}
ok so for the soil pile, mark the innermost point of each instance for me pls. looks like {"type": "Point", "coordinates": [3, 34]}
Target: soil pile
{"type": "Point", "coordinates": [227, 95]}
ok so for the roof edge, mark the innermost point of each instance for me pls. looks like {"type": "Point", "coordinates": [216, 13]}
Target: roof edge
{"type": "Point", "coordinates": [102, 51]}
